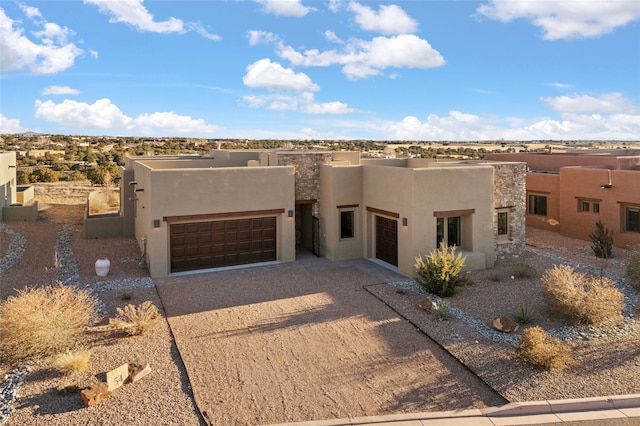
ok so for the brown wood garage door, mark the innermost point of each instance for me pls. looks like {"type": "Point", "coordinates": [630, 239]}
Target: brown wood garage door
{"type": "Point", "coordinates": [214, 244]}
{"type": "Point", "coordinates": [387, 240]}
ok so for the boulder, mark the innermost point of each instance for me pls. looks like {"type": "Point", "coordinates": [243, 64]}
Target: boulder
{"type": "Point", "coordinates": [505, 325]}
{"type": "Point", "coordinates": [95, 393]}
{"type": "Point", "coordinates": [428, 305]}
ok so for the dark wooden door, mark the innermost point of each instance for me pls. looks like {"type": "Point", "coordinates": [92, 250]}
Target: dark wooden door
{"type": "Point", "coordinates": [215, 244]}
{"type": "Point", "coordinates": [387, 240]}
{"type": "Point", "coordinates": [315, 235]}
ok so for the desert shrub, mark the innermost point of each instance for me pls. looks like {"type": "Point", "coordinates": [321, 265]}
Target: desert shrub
{"type": "Point", "coordinates": [135, 320]}
{"type": "Point", "coordinates": [442, 310]}
{"type": "Point", "coordinates": [523, 270]}
{"type": "Point", "coordinates": [524, 314]}
{"type": "Point", "coordinates": [495, 276]}
{"type": "Point", "coordinates": [71, 362]}
{"type": "Point", "coordinates": [440, 272]}
{"type": "Point", "coordinates": [44, 321]}
{"type": "Point", "coordinates": [585, 299]}
{"type": "Point", "coordinates": [540, 349]}
{"type": "Point", "coordinates": [601, 241]}
{"type": "Point", "coordinates": [633, 267]}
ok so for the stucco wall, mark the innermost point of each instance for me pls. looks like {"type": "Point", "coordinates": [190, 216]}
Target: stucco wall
{"type": "Point", "coordinates": [7, 180]}
{"type": "Point", "coordinates": [210, 191]}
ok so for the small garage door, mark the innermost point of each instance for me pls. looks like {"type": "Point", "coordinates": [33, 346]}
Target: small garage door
{"type": "Point", "coordinates": [214, 244]}
{"type": "Point", "coordinates": [387, 240]}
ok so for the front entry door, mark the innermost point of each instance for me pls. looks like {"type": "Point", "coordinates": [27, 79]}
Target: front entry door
{"type": "Point", "coordinates": [387, 240]}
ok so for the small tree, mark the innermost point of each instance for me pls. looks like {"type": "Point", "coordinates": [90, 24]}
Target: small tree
{"type": "Point", "coordinates": [601, 241]}
{"type": "Point", "coordinates": [440, 272]}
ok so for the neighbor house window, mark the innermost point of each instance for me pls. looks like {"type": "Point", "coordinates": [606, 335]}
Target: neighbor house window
{"type": "Point", "coordinates": [448, 231]}
{"type": "Point", "coordinates": [632, 219]}
{"type": "Point", "coordinates": [347, 224]}
{"type": "Point", "coordinates": [586, 205]}
{"type": "Point", "coordinates": [537, 205]}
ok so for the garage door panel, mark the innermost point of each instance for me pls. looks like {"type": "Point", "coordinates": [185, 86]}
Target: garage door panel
{"type": "Point", "coordinates": [222, 243]}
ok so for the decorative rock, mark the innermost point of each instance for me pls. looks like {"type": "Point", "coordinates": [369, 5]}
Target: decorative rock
{"type": "Point", "coordinates": [96, 393]}
{"type": "Point", "coordinates": [505, 325]}
{"type": "Point", "coordinates": [428, 305]}
{"type": "Point", "coordinates": [102, 267]}
{"type": "Point", "coordinates": [138, 371]}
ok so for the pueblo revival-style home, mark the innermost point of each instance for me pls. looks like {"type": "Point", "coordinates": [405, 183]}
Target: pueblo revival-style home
{"type": "Point", "coordinates": [244, 207]}
{"type": "Point", "coordinates": [569, 192]}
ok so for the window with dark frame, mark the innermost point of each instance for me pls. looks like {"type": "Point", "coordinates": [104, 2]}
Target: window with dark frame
{"type": "Point", "coordinates": [632, 219]}
{"type": "Point", "coordinates": [596, 207]}
{"type": "Point", "coordinates": [448, 230]}
{"type": "Point", "coordinates": [537, 205]}
{"type": "Point", "coordinates": [503, 223]}
{"type": "Point", "coordinates": [584, 206]}
{"type": "Point", "coordinates": [347, 228]}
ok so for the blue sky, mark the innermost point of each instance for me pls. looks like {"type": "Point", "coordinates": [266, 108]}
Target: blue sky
{"type": "Point", "coordinates": [299, 69]}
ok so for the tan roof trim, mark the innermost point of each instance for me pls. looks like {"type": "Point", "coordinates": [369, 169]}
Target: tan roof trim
{"type": "Point", "coordinates": [225, 215]}
{"type": "Point", "coordinates": [452, 213]}
{"type": "Point", "coordinates": [383, 212]}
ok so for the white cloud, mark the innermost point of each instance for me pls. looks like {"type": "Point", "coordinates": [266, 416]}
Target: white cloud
{"type": "Point", "coordinates": [302, 102]}
{"type": "Point", "coordinates": [273, 76]}
{"type": "Point", "coordinates": [561, 85]}
{"type": "Point", "coordinates": [49, 54]}
{"type": "Point", "coordinates": [566, 19]}
{"type": "Point", "coordinates": [608, 102]}
{"type": "Point", "coordinates": [30, 11]}
{"type": "Point", "coordinates": [362, 59]}
{"type": "Point", "coordinates": [332, 37]}
{"type": "Point", "coordinates": [134, 13]}
{"type": "Point", "coordinates": [293, 8]}
{"type": "Point", "coordinates": [261, 37]}
{"type": "Point", "coordinates": [100, 115]}
{"type": "Point", "coordinates": [389, 19]}
{"type": "Point", "coordinates": [59, 90]}
{"type": "Point", "coordinates": [105, 116]}
{"type": "Point", "coordinates": [172, 123]}
{"type": "Point", "coordinates": [10, 125]}
{"type": "Point", "coordinates": [460, 126]}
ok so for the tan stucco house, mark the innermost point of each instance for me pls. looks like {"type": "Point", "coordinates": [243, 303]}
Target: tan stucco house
{"type": "Point", "coordinates": [244, 207]}
{"type": "Point", "coordinates": [568, 192]}
{"type": "Point", "coordinates": [16, 201]}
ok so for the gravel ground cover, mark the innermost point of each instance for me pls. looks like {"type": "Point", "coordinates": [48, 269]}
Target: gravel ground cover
{"type": "Point", "coordinates": [606, 365]}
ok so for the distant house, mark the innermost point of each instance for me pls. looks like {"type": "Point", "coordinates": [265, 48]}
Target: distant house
{"type": "Point", "coordinates": [242, 207]}
{"type": "Point", "coordinates": [569, 192]}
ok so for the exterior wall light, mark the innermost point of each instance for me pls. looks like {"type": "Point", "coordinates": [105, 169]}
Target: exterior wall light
{"type": "Point", "coordinates": [405, 221]}
{"type": "Point", "coordinates": [156, 223]}
{"type": "Point", "coordinates": [290, 213]}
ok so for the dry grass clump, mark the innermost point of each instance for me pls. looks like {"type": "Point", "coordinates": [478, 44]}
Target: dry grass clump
{"type": "Point", "coordinates": [39, 322]}
{"type": "Point", "coordinates": [135, 320]}
{"type": "Point", "coordinates": [71, 362]}
{"type": "Point", "coordinates": [585, 299]}
{"type": "Point", "coordinates": [523, 270]}
{"type": "Point", "coordinates": [541, 350]}
{"type": "Point", "coordinates": [633, 268]}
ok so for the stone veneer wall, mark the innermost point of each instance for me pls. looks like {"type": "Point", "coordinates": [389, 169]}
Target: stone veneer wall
{"type": "Point", "coordinates": [307, 166]}
{"type": "Point", "coordinates": [510, 192]}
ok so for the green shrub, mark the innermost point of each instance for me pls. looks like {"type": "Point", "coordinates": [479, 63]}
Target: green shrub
{"type": "Point", "coordinates": [440, 272]}
{"type": "Point", "coordinates": [524, 314]}
{"type": "Point", "coordinates": [585, 299]}
{"type": "Point", "coordinates": [44, 321]}
{"type": "Point", "coordinates": [633, 268]}
{"type": "Point", "coordinates": [601, 241]}
{"type": "Point", "coordinates": [442, 311]}
{"type": "Point", "coordinates": [541, 350]}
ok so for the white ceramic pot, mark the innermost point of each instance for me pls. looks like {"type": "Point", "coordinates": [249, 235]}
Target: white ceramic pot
{"type": "Point", "coordinates": [102, 267]}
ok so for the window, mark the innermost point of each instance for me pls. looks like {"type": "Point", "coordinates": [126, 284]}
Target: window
{"type": "Point", "coordinates": [537, 205]}
{"type": "Point", "coordinates": [448, 231]}
{"type": "Point", "coordinates": [586, 205]}
{"type": "Point", "coordinates": [503, 223]}
{"type": "Point", "coordinates": [632, 219]}
{"type": "Point", "coordinates": [347, 224]}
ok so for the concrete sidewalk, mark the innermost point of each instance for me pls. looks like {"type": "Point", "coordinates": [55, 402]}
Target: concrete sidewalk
{"type": "Point", "coordinates": [610, 410]}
